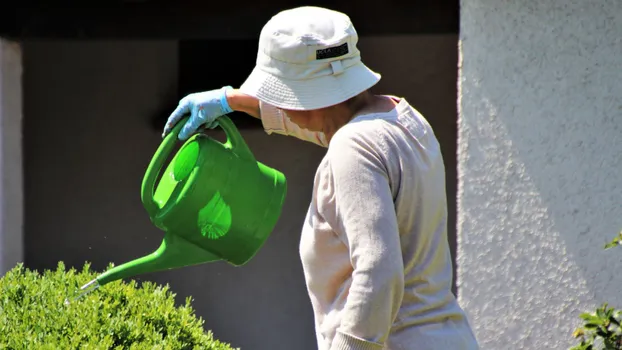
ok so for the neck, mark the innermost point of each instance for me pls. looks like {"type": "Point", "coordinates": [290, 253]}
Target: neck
{"type": "Point", "coordinates": [345, 112]}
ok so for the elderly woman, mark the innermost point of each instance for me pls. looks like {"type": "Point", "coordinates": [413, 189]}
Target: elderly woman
{"type": "Point", "coordinates": [374, 243]}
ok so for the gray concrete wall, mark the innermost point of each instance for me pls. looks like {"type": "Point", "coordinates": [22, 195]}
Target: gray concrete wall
{"type": "Point", "coordinates": [88, 140]}
{"type": "Point", "coordinates": [11, 193]}
{"type": "Point", "coordinates": [540, 135]}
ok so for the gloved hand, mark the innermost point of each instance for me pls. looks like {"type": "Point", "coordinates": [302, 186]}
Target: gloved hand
{"type": "Point", "coordinates": [204, 108]}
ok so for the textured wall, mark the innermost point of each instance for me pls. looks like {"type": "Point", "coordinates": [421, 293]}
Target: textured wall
{"type": "Point", "coordinates": [540, 186]}
{"type": "Point", "coordinates": [11, 195]}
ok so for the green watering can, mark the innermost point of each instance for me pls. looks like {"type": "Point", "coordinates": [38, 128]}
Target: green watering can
{"type": "Point", "coordinates": [214, 201]}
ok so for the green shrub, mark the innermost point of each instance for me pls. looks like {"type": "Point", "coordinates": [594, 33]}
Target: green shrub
{"type": "Point", "coordinates": [601, 329]}
{"type": "Point", "coordinates": [117, 316]}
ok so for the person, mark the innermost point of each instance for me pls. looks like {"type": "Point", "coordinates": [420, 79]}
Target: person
{"type": "Point", "coordinates": [374, 245]}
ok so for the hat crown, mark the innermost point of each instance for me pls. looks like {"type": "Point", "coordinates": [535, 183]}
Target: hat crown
{"type": "Point", "coordinates": [305, 35]}
{"type": "Point", "coordinates": [308, 59]}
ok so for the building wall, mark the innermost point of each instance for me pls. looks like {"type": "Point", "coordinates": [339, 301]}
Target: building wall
{"type": "Point", "coordinates": [540, 186]}
{"type": "Point", "coordinates": [11, 194]}
{"type": "Point", "coordinates": [88, 139]}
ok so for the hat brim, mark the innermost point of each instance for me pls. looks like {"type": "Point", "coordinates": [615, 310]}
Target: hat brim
{"type": "Point", "coordinates": [309, 94]}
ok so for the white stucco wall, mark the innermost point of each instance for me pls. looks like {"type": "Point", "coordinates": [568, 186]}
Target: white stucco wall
{"type": "Point", "coordinates": [11, 197]}
{"type": "Point", "coordinates": [540, 167]}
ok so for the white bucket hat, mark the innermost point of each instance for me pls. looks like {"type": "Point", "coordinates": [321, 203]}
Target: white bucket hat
{"type": "Point", "coordinates": [308, 59]}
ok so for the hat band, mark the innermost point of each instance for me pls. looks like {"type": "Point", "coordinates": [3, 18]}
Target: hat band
{"type": "Point", "coordinates": [310, 70]}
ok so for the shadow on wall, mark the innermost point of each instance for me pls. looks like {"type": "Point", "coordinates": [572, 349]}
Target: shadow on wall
{"type": "Point", "coordinates": [540, 178]}
{"type": "Point", "coordinates": [88, 136]}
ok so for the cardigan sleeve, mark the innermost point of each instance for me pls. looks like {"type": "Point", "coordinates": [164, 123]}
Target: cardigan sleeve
{"type": "Point", "coordinates": [354, 197]}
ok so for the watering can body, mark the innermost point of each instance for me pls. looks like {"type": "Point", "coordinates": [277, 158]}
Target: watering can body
{"type": "Point", "coordinates": [214, 201]}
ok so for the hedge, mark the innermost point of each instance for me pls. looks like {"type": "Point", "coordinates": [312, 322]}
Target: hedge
{"type": "Point", "coordinates": [119, 315]}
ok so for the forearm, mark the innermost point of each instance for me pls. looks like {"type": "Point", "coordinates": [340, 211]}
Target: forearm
{"type": "Point", "coordinates": [241, 102]}
{"type": "Point", "coordinates": [373, 302]}
{"type": "Point", "coordinates": [273, 119]}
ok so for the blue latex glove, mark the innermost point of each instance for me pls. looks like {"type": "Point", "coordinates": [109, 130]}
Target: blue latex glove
{"type": "Point", "coordinates": [204, 108]}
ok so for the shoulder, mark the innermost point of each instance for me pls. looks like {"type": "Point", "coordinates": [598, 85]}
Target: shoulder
{"type": "Point", "coordinates": [372, 133]}
{"type": "Point", "coordinates": [360, 146]}
{"type": "Point", "coordinates": [357, 137]}
{"type": "Point", "coordinates": [365, 130]}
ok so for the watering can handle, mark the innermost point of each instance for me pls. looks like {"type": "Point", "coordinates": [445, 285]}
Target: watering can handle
{"type": "Point", "coordinates": [234, 139]}
{"type": "Point", "coordinates": [234, 142]}
{"type": "Point", "coordinates": [155, 167]}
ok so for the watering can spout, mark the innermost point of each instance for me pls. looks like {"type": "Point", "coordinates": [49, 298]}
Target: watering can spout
{"type": "Point", "coordinates": [174, 252]}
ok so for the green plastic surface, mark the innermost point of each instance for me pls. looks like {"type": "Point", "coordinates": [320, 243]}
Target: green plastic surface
{"type": "Point", "coordinates": [214, 201]}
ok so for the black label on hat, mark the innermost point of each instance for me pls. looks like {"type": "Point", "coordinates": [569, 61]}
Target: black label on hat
{"type": "Point", "coordinates": [332, 52]}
